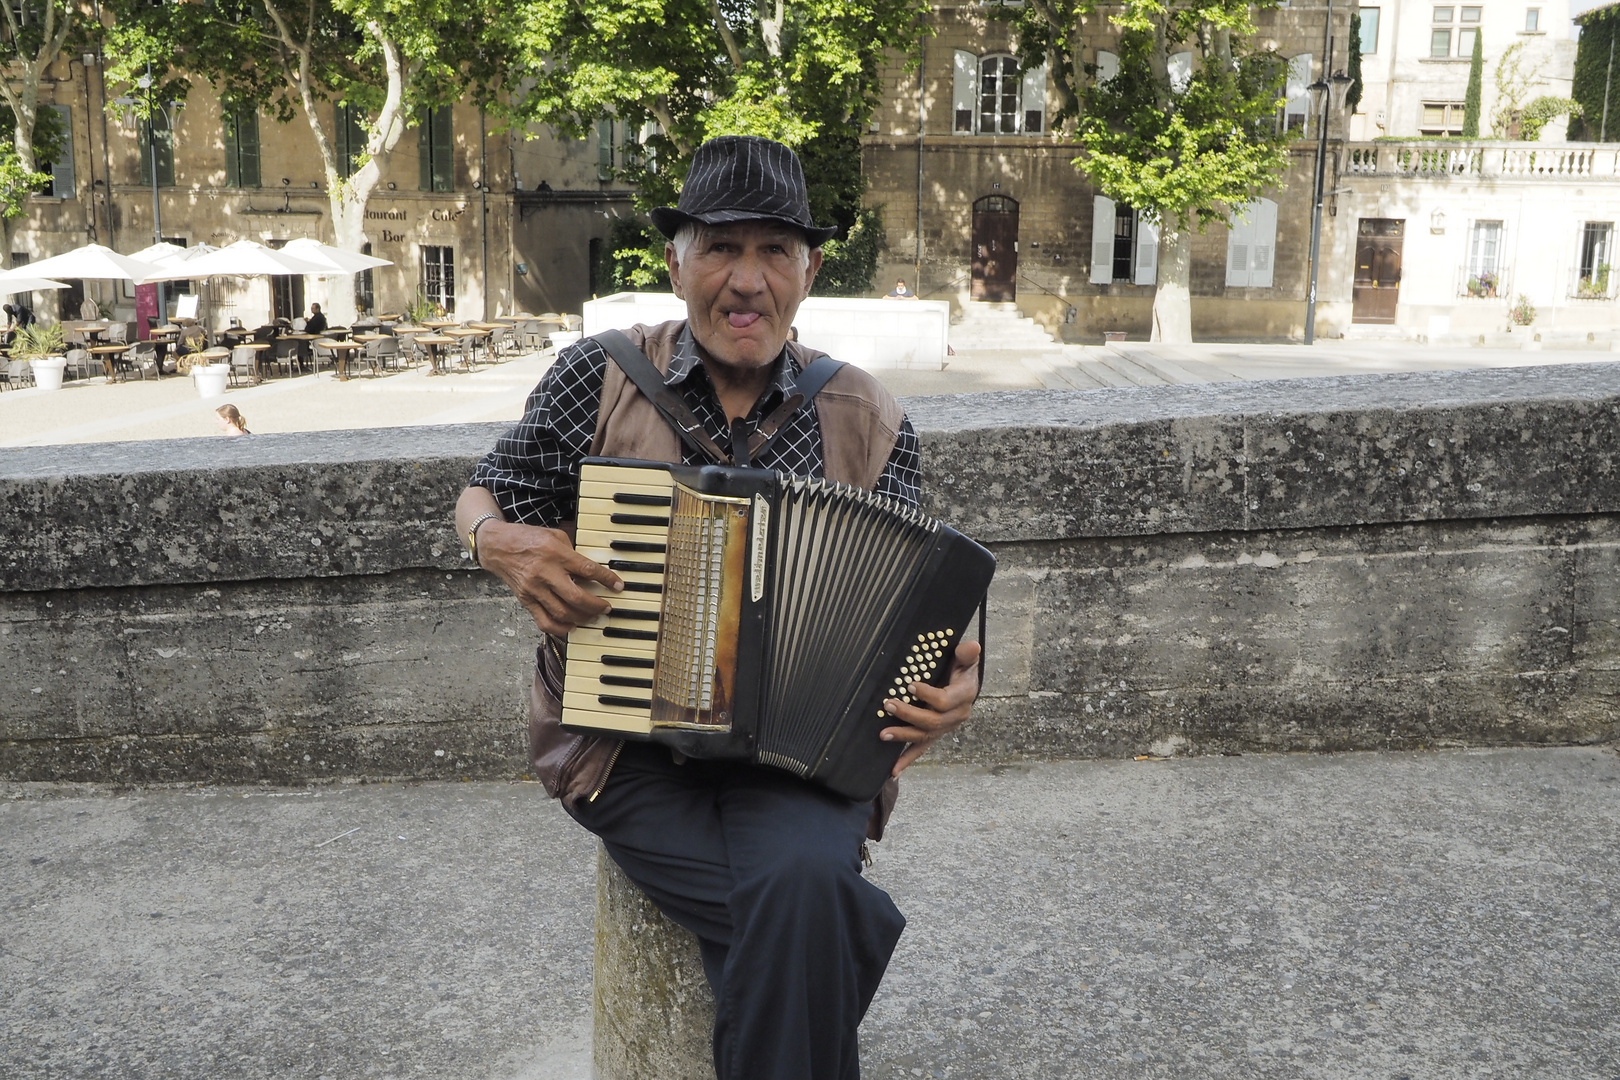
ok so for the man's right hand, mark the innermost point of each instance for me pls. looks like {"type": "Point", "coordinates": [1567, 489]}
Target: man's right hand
{"type": "Point", "coordinates": [544, 572]}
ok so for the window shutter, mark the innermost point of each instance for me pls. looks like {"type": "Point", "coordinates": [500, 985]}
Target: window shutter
{"type": "Point", "coordinates": [1263, 243]}
{"type": "Point", "coordinates": [604, 150]}
{"type": "Point", "coordinates": [62, 171]}
{"type": "Point", "coordinates": [233, 157]}
{"type": "Point", "coordinates": [1102, 240]}
{"type": "Point", "coordinates": [1034, 100]}
{"type": "Point", "coordinates": [247, 146]}
{"type": "Point", "coordinates": [1180, 71]}
{"type": "Point", "coordinates": [1107, 65]}
{"type": "Point", "coordinates": [1147, 251]}
{"type": "Point", "coordinates": [344, 150]}
{"type": "Point", "coordinates": [964, 80]}
{"type": "Point", "coordinates": [1238, 242]}
{"type": "Point", "coordinates": [424, 151]}
{"type": "Point", "coordinates": [444, 176]}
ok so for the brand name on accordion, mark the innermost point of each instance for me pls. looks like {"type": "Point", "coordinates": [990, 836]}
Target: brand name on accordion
{"type": "Point", "coordinates": [762, 530]}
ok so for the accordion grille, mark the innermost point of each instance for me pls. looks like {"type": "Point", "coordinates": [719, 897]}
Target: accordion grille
{"type": "Point", "coordinates": [844, 563]}
{"type": "Point", "coordinates": [693, 580]}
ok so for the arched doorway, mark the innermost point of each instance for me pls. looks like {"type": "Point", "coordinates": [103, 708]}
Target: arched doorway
{"type": "Point", "coordinates": [995, 248]}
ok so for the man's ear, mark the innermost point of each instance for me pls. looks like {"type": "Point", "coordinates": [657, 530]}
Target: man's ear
{"type": "Point", "coordinates": [810, 271]}
{"type": "Point", "coordinates": [674, 266]}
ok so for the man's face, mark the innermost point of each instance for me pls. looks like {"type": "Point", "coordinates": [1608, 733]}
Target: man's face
{"type": "Point", "coordinates": [742, 284]}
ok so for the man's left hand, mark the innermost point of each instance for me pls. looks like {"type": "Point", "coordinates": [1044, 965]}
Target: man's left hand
{"type": "Point", "coordinates": [940, 709]}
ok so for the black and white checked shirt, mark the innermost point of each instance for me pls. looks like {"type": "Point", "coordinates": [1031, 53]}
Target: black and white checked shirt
{"type": "Point", "coordinates": [533, 472]}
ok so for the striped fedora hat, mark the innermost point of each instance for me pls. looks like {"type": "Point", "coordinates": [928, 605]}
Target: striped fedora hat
{"type": "Point", "coordinates": [742, 178]}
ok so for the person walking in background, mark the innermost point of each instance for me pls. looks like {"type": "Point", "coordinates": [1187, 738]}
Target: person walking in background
{"type": "Point", "coordinates": [231, 421]}
{"type": "Point", "coordinates": [18, 317]}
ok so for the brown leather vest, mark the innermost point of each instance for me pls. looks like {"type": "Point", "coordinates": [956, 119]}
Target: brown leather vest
{"type": "Point", "coordinates": [859, 422]}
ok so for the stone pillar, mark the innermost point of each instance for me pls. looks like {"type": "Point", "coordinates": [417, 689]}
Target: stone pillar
{"type": "Point", "coordinates": [653, 1010]}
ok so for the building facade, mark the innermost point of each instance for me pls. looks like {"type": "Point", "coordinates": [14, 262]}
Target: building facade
{"type": "Point", "coordinates": [472, 218]}
{"type": "Point", "coordinates": [1415, 56]}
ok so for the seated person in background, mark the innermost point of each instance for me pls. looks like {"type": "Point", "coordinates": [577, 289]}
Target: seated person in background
{"type": "Point", "coordinates": [316, 323]}
{"type": "Point", "coordinates": [900, 292]}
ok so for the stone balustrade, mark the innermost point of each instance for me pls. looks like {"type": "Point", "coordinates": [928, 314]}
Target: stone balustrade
{"type": "Point", "coordinates": [1428, 159]}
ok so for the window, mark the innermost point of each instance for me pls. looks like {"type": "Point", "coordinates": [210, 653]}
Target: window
{"type": "Point", "coordinates": [1107, 65]}
{"type": "Point", "coordinates": [351, 139]}
{"type": "Point", "coordinates": [155, 134]}
{"type": "Point", "coordinates": [1251, 245]}
{"type": "Point", "coordinates": [241, 147]}
{"type": "Point", "coordinates": [439, 276]}
{"type": "Point", "coordinates": [1443, 15]}
{"type": "Point", "coordinates": [1484, 258]}
{"type": "Point", "coordinates": [365, 293]}
{"type": "Point", "coordinates": [1469, 15]}
{"type": "Point", "coordinates": [1532, 20]}
{"type": "Point", "coordinates": [998, 95]}
{"type": "Point", "coordinates": [1180, 71]}
{"type": "Point", "coordinates": [1442, 118]}
{"type": "Point", "coordinates": [434, 146]}
{"type": "Point", "coordinates": [1440, 44]}
{"type": "Point", "coordinates": [1296, 110]}
{"type": "Point", "coordinates": [604, 150]}
{"type": "Point", "coordinates": [1595, 250]}
{"type": "Point", "coordinates": [1124, 248]}
{"type": "Point", "coordinates": [1465, 41]}
{"type": "Point", "coordinates": [991, 95]}
{"type": "Point", "coordinates": [61, 171]}
{"type": "Point", "coordinates": [1369, 31]}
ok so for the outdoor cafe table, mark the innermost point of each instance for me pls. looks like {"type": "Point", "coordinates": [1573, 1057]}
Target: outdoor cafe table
{"type": "Point", "coordinates": [161, 338]}
{"type": "Point", "coordinates": [92, 329]}
{"type": "Point", "coordinates": [475, 333]}
{"type": "Point", "coordinates": [340, 352]}
{"type": "Point", "coordinates": [110, 356]}
{"type": "Point", "coordinates": [433, 343]}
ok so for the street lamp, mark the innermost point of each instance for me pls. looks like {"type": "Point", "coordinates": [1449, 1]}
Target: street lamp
{"type": "Point", "coordinates": [1323, 94]}
{"type": "Point", "coordinates": [146, 82]}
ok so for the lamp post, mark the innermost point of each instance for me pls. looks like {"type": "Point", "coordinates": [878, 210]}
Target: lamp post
{"type": "Point", "coordinates": [1323, 93]}
{"type": "Point", "coordinates": [145, 82]}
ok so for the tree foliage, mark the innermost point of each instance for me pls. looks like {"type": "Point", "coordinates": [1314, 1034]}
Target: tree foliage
{"type": "Point", "coordinates": [1514, 78]}
{"type": "Point", "coordinates": [1352, 96]}
{"type": "Point", "coordinates": [1543, 111]}
{"type": "Point", "coordinates": [678, 72]}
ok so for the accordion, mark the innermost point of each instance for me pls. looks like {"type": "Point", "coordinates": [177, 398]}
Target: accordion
{"type": "Point", "coordinates": [764, 617]}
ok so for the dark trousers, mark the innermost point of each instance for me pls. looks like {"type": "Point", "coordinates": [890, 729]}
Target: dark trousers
{"type": "Point", "coordinates": [765, 869]}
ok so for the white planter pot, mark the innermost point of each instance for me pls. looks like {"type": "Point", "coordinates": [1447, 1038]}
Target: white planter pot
{"type": "Point", "coordinates": [210, 379]}
{"type": "Point", "coordinates": [48, 372]}
{"type": "Point", "coordinates": [563, 338]}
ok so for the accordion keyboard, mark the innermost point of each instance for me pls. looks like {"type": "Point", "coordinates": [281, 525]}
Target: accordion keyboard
{"type": "Point", "coordinates": [623, 523]}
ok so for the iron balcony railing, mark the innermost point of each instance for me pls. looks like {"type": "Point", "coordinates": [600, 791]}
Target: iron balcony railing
{"type": "Point", "coordinates": [1418, 159]}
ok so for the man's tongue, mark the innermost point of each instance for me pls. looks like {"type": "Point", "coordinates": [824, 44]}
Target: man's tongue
{"type": "Point", "coordinates": [741, 320]}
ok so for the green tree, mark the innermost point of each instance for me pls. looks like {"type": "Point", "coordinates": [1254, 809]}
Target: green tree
{"type": "Point", "coordinates": [1352, 96]}
{"type": "Point", "coordinates": [1594, 85]}
{"type": "Point", "coordinates": [36, 33]}
{"type": "Point", "coordinates": [1182, 150]}
{"type": "Point", "coordinates": [674, 73]}
{"type": "Point", "coordinates": [387, 61]}
{"type": "Point", "coordinates": [1476, 88]}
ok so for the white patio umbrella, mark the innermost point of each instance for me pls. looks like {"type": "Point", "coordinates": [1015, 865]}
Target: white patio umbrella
{"type": "Point", "coordinates": [339, 260]}
{"type": "Point", "coordinates": [166, 254]}
{"type": "Point", "coordinates": [245, 258]}
{"type": "Point", "coordinates": [93, 261]}
{"type": "Point", "coordinates": [12, 283]}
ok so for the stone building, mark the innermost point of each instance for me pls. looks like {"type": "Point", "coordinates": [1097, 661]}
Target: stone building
{"type": "Point", "coordinates": [962, 159]}
{"type": "Point", "coordinates": [471, 217]}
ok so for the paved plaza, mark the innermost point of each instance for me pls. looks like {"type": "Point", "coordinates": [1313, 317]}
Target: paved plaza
{"type": "Point", "coordinates": [92, 411]}
{"type": "Point", "coordinates": [1427, 916]}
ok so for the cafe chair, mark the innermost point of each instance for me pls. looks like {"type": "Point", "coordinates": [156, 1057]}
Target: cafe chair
{"type": "Point", "coordinates": [117, 333]}
{"type": "Point", "coordinates": [80, 365]}
{"type": "Point", "coordinates": [287, 354]}
{"type": "Point", "coordinates": [143, 358]}
{"type": "Point", "coordinates": [381, 352]}
{"type": "Point", "coordinates": [243, 367]}
{"type": "Point", "coordinates": [89, 310]}
{"type": "Point", "coordinates": [16, 374]}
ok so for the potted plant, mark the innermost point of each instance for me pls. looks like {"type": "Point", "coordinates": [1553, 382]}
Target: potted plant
{"type": "Point", "coordinates": [1595, 287]}
{"type": "Point", "coordinates": [42, 345]}
{"type": "Point", "coordinates": [1522, 313]}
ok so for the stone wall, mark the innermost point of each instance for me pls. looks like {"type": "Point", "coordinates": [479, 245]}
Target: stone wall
{"type": "Point", "coordinates": [1373, 561]}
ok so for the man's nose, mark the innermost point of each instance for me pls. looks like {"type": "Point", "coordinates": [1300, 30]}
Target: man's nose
{"type": "Point", "coordinates": [748, 275]}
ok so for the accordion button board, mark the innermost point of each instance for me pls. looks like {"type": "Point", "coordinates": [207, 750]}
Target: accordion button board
{"type": "Point", "coordinates": [764, 617]}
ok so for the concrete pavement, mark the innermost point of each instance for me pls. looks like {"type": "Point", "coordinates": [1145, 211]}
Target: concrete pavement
{"type": "Point", "coordinates": [92, 411]}
{"type": "Point", "coordinates": [1422, 915]}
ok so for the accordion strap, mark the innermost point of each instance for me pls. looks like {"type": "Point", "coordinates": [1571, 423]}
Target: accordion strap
{"type": "Point", "coordinates": [650, 381]}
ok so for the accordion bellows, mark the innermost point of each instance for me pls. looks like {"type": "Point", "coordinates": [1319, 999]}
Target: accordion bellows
{"type": "Point", "coordinates": [765, 617]}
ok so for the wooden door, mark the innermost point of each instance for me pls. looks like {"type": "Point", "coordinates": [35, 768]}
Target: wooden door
{"type": "Point", "coordinates": [1378, 269]}
{"type": "Point", "coordinates": [995, 248]}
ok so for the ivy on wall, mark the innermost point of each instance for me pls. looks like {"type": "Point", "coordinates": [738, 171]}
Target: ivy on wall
{"type": "Point", "coordinates": [1592, 75]}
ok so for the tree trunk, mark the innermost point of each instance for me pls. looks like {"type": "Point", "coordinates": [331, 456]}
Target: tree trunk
{"type": "Point", "coordinates": [1172, 300]}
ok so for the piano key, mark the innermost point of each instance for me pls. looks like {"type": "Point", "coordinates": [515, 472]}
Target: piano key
{"type": "Point", "coordinates": [589, 702]}
{"type": "Point", "coordinates": [639, 498]}
{"type": "Point", "coordinates": [580, 716]}
{"type": "Point", "coordinates": [590, 520]}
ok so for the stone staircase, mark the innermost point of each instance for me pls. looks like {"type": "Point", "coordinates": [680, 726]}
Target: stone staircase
{"type": "Point", "coordinates": [1098, 367]}
{"type": "Point", "coordinates": [998, 328]}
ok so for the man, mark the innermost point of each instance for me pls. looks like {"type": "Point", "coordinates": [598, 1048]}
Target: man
{"type": "Point", "coordinates": [316, 323]}
{"type": "Point", "coordinates": [762, 866]}
{"type": "Point", "coordinates": [900, 292]}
